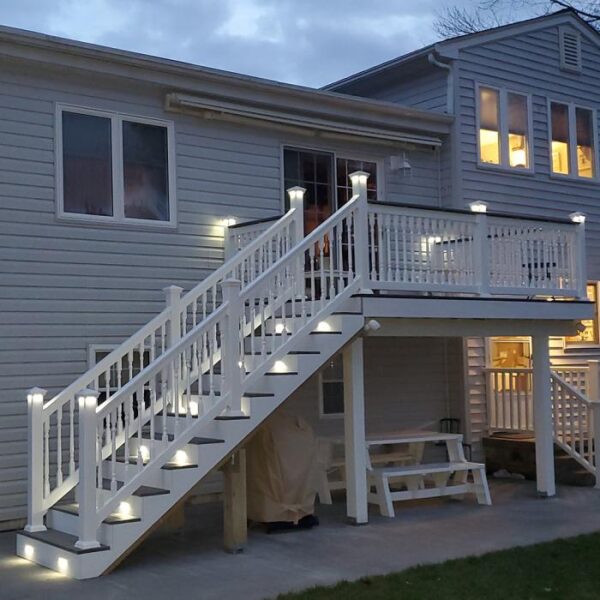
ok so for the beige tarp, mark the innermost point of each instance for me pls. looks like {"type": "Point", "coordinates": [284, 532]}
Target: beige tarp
{"type": "Point", "coordinates": [281, 470]}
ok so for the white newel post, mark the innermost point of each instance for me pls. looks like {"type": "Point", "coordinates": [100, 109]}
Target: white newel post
{"type": "Point", "coordinates": [481, 248]}
{"type": "Point", "coordinates": [87, 493]}
{"type": "Point", "coordinates": [173, 303]}
{"type": "Point", "coordinates": [231, 355]}
{"type": "Point", "coordinates": [354, 433]}
{"type": "Point", "coordinates": [580, 266]}
{"type": "Point", "coordinates": [542, 417]}
{"type": "Point", "coordinates": [35, 460]}
{"type": "Point", "coordinates": [361, 235]}
{"type": "Point", "coordinates": [296, 195]}
{"type": "Point", "coordinates": [593, 394]}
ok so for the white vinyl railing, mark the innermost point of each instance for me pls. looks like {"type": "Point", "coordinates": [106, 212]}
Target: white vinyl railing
{"type": "Point", "coordinates": [172, 364]}
{"type": "Point", "coordinates": [510, 406]}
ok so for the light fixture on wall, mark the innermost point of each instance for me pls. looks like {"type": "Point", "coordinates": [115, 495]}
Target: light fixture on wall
{"type": "Point", "coordinates": [400, 163]}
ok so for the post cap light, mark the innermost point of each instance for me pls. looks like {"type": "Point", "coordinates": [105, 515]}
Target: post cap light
{"type": "Point", "coordinates": [88, 397]}
{"type": "Point", "coordinates": [36, 395]}
{"type": "Point", "coordinates": [577, 217]}
{"type": "Point", "coordinates": [296, 193]}
{"type": "Point", "coordinates": [359, 177]}
{"type": "Point", "coordinates": [228, 222]}
{"type": "Point", "coordinates": [478, 206]}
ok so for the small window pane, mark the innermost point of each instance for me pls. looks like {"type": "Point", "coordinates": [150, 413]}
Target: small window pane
{"type": "Point", "coordinates": [145, 171]}
{"type": "Point", "coordinates": [560, 138]}
{"type": "Point", "coordinates": [518, 144]}
{"type": "Point", "coordinates": [333, 398]}
{"type": "Point", "coordinates": [87, 164]}
{"type": "Point", "coordinates": [489, 128]}
{"type": "Point", "coordinates": [585, 142]}
{"type": "Point", "coordinates": [590, 334]}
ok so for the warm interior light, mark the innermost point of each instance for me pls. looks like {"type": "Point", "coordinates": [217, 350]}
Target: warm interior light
{"type": "Point", "coordinates": [323, 326]}
{"type": "Point", "coordinates": [279, 328]}
{"type": "Point", "coordinates": [478, 207]}
{"type": "Point", "coordinates": [228, 222]}
{"type": "Point", "coordinates": [193, 408]}
{"type": "Point", "coordinates": [28, 551]}
{"type": "Point", "coordinates": [62, 565]}
{"type": "Point", "coordinates": [125, 509]}
{"type": "Point", "coordinates": [560, 157]}
{"type": "Point", "coordinates": [145, 453]}
{"type": "Point", "coordinates": [279, 366]}
{"type": "Point", "coordinates": [181, 457]}
{"type": "Point", "coordinates": [489, 146]}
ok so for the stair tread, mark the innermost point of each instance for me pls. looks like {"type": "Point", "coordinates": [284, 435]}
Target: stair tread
{"type": "Point", "coordinates": [326, 333]}
{"type": "Point", "coordinates": [64, 541]}
{"type": "Point", "coordinates": [176, 467]}
{"type": "Point", "coordinates": [301, 352]}
{"type": "Point", "coordinates": [113, 519]}
{"type": "Point", "coordinates": [273, 374]}
{"type": "Point", "coordinates": [147, 490]}
{"type": "Point", "coordinates": [227, 418]}
{"type": "Point", "coordinates": [195, 441]}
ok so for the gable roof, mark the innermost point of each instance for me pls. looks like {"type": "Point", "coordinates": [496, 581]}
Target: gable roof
{"type": "Point", "coordinates": [449, 48]}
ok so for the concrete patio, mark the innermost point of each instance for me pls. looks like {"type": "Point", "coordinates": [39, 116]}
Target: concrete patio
{"type": "Point", "coordinates": [192, 564]}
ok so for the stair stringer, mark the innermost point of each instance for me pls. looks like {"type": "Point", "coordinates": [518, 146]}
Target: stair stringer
{"type": "Point", "coordinates": [122, 537]}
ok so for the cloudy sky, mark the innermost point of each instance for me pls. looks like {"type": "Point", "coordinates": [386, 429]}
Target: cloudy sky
{"type": "Point", "coordinates": [309, 42]}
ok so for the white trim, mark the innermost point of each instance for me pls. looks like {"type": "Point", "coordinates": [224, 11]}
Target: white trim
{"type": "Point", "coordinates": [572, 175]}
{"type": "Point", "coordinates": [118, 216]}
{"type": "Point", "coordinates": [504, 166]}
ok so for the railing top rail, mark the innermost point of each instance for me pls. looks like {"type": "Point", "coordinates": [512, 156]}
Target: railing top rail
{"type": "Point", "coordinates": [575, 392]}
{"type": "Point", "coordinates": [465, 211]}
{"type": "Point", "coordinates": [304, 245]}
{"type": "Point", "coordinates": [420, 211]}
{"type": "Point", "coordinates": [139, 336]}
{"type": "Point", "coordinates": [255, 222]}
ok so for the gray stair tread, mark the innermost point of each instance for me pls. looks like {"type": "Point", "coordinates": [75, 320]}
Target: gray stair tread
{"type": "Point", "coordinates": [61, 540]}
{"type": "Point", "coordinates": [176, 467]}
{"type": "Point", "coordinates": [114, 519]}
{"type": "Point", "coordinates": [325, 333]}
{"type": "Point", "coordinates": [200, 441]}
{"type": "Point", "coordinates": [147, 490]}
{"type": "Point", "coordinates": [301, 352]}
{"type": "Point", "coordinates": [259, 395]}
{"type": "Point", "coordinates": [272, 374]}
{"type": "Point", "coordinates": [226, 418]}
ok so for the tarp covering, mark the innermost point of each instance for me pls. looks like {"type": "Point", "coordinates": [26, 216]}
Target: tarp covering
{"type": "Point", "coordinates": [281, 470]}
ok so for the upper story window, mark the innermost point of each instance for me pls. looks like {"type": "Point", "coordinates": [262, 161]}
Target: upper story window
{"type": "Point", "coordinates": [572, 134]}
{"type": "Point", "coordinates": [570, 50]}
{"type": "Point", "coordinates": [503, 128]}
{"type": "Point", "coordinates": [114, 168]}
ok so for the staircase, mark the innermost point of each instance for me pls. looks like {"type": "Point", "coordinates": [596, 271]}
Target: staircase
{"type": "Point", "coordinates": [114, 451]}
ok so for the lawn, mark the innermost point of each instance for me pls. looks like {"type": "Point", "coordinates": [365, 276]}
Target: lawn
{"type": "Point", "coordinates": [561, 570]}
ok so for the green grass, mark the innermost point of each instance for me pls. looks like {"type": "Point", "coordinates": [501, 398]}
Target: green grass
{"type": "Point", "coordinates": [561, 570]}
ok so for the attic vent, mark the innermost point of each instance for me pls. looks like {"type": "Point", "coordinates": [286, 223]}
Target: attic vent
{"type": "Point", "coordinates": [570, 50]}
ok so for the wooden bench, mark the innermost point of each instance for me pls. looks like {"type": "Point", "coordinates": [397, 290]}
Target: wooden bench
{"type": "Point", "coordinates": [449, 479]}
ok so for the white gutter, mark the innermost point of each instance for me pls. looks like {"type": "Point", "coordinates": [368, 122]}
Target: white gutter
{"type": "Point", "coordinates": [450, 85]}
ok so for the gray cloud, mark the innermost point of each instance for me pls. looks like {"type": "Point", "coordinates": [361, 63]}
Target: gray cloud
{"type": "Point", "coordinates": [309, 42]}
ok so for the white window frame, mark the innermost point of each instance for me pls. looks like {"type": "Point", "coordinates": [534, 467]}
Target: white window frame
{"type": "Point", "coordinates": [116, 121]}
{"type": "Point", "coordinates": [504, 165]}
{"type": "Point", "coordinates": [571, 108]}
{"type": "Point", "coordinates": [336, 154]}
{"type": "Point", "coordinates": [322, 413]}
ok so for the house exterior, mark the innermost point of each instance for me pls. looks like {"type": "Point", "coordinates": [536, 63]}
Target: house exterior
{"type": "Point", "coordinates": [126, 179]}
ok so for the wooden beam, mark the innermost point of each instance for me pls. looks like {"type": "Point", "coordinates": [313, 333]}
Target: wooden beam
{"type": "Point", "coordinates": [235, 520]}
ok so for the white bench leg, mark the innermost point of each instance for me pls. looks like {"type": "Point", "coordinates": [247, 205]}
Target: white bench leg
{"type": "Point", "coordinates": [482, 490]}
{"type": "Point", "coordinates": [382, 487]}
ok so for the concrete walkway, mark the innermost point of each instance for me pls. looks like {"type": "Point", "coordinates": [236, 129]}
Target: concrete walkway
{"type": "Point", "coordinates": [191, 564]}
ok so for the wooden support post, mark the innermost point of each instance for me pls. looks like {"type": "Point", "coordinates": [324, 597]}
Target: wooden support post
{"type": "Point", "coordinates": [354, 428]}
{"type": "Point", "coordinates": [542, 417]}
{"type": "Point", "coordinates": [235, 520]}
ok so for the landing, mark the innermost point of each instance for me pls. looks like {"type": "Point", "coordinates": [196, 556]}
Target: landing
{"type": "Point", "coordinates": [431, 531]}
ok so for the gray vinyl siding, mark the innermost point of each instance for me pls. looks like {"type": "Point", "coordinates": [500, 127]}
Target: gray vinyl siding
{"type": "Point", "coordinates": [529, 63]}
{"type": "Point", "coordinates": [65, 285]}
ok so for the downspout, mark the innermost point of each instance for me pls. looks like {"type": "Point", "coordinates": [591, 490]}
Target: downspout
{"type": "Point", "coordinates": [450, 85]}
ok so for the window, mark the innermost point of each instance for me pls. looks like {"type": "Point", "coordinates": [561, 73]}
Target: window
{"type": "Point", "coordinates": [503, 128]}
{"type": "Point", "coordinates": [570, 50]}
{"type": "Point", "coordinates": [331, 383]}
{"type": "Point", "coordinates": [572, 134]}
{"type": "Point", "coordinates": [114, 168]}
{"type": "Point", "coordinates": [589, 335]}
{"type": "Point", "coordinates": [325, 178]}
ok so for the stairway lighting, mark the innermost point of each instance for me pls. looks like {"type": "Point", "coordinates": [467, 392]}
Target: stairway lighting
{"type": "Point", "coordinates": [145, 453]}
{"type": "Point", "coordinates": [62, 564]}
{"type": "Point", "coordinates": [279, 328]}
{"type": "Point", "coordinates": [181, 457]}
{"type": "Point", "coordinates": [279, 366]}
{"type": "Point", "coordinates": [125, 509]}
{"type": "Point", "coordinates": [28, 551]}
{"type": "Point", "coordinates": [193, 408]}
{"type": "Point", "coordinates": [323, 326]}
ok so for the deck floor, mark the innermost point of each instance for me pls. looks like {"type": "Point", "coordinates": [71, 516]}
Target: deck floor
{"type": "Point", "coordinates": [192, 565]}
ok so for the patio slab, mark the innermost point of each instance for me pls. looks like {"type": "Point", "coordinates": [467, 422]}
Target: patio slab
{"type": "Point", "coordinates": [192, 564]}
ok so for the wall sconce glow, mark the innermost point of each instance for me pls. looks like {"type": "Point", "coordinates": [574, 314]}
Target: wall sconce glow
{"type": "Point", "coordinates": [28, 551]}
{"type": "Point", "coordinates": [577, 217]}
{"type": "Point", "coordinates": [193, 408]}
{"type": "Point", "coordinates": [62, 564]}
{"type": "Point", "coordinates": [181, 457]}
{"type": "Point", "coordinates": [279, 328]}
{"type": "Point", "coordinates": [323, 326]}
{"type": "Point", "coordinates": [279, 366]}
{"type": "Point", "coordinates": [145, 453]}
{"type": "Point", "coordinates": [228, 222]}
{"type": "Point", "coordinates": [478, 207]}
{"type": "Point", "coordinates": [125, 509]}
